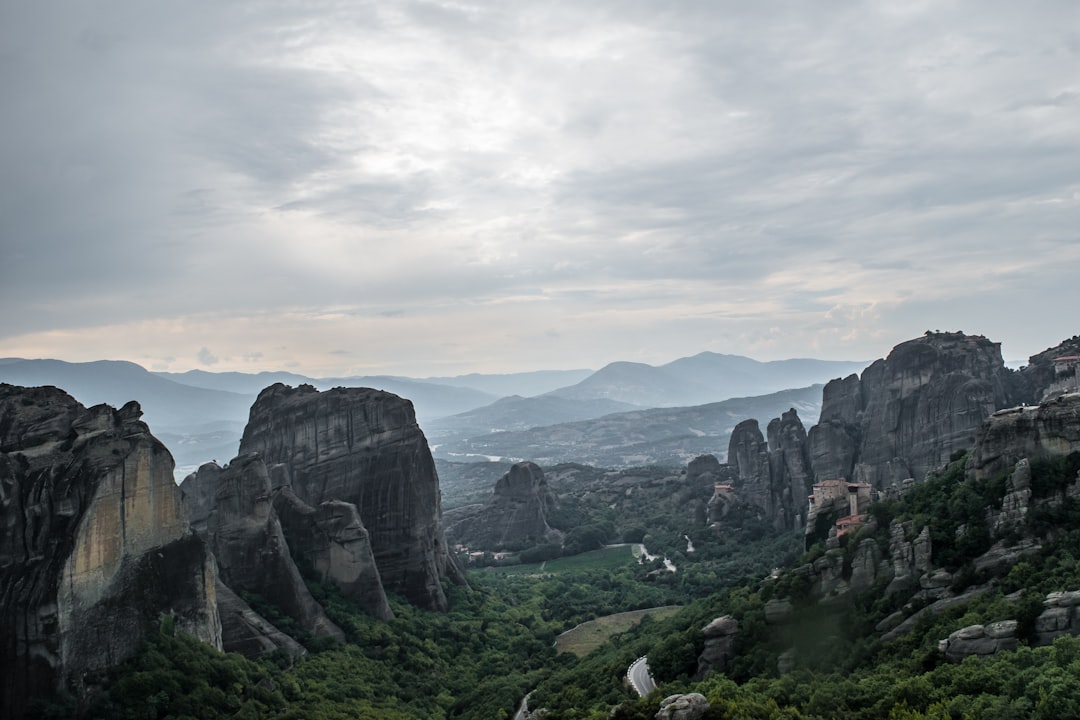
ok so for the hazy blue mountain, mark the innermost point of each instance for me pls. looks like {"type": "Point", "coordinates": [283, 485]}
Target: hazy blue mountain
{"type": "Point", "coordinates": [165, 403]}
{"type": "Point", "coordinates": [430, 400]}
{"type": "Point", "coordinates": [237, 382]}
{"type": "Point", "coordinates": [526, 384]}
{"type": "Point", "coordinates": [703, 378]}
{"type": "Point", "coordinates": [661, 436]}
{"type": "Point", "coordinates": [519, 413]}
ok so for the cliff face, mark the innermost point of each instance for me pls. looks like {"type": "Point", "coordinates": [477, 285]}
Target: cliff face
{"type": "Point", "coordinates": [1039, 432]}
{"type": "Point", "coordinates": [515, 516]}
{"type": "Point", "coordinates": [776, 476]}
{"type": "Point", "coordinates": [363, 447]}
{"type": "Point", "coordinates": [246, 537]}
{"type": "Point", "coordinates": [334, 543]}
{"type": "Point", "coordinates": [908, 413]}
{"type": "Point", "coordinates": [94, 546]}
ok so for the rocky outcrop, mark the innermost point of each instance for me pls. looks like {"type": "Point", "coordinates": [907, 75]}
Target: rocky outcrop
{"type": "Point", "coordinates": [1039, 432]}
{"type": "Point", "coordinates": [910, 558]}
{"type": "Point", "coordinates": [719, 650]}
{"type": "Point", "coordinates": [1061, 617]}
{"type": "Point", "coordinates": [1049, 373]}
{"type": "Point", "coordinates": [776, 476]}
{"type": "Point", "coordinates": [908, 413]}
{"type": "Point", "coordinates": [979, 640]}
{"type": "Point", "coordinates": [333, 543]}
{"type": "Point", "coordinates": [691, 706]}
{"type": "Point", "coordinates": [246, 537]}
{"type": "Point", "coordinates": [363, 447]}
{"type": "Point", "coordinates": [514, 518]}
{"type": "Point", "coordinates": [94, 546]}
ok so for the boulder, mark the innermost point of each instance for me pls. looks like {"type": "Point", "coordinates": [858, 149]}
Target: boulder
{"type": "Point", "coordinates": [691, 706]}
{"type": "Point", "coordinates": [979, 640]}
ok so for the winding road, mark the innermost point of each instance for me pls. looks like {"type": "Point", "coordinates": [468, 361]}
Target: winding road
{"type": "Point", "coordinates": [640, 678]}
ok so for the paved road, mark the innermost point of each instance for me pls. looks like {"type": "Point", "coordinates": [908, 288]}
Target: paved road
{"type": "Point", "coordinates": [523, 708]}
{"type": "Point", "coordinates": [639, 676]}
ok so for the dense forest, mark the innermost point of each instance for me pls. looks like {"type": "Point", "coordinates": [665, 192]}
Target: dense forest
{"type": "Point", "coordinates": [496, 643]}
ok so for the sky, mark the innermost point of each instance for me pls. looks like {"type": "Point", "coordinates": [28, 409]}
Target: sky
{"type": "Point", "coordinates": [434, 188]}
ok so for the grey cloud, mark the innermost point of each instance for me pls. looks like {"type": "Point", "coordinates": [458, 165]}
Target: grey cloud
{"type": "Point", "coordinates": [176, 154]}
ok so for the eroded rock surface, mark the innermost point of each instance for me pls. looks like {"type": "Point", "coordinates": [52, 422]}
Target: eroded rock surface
{"type": "Point", "coordinates": [514, 518]}
{"type": "Point", "coordinates": [246, 537]}
{"type": "Point", "coordinates": [94, 545]}
{"type": "Point", "coordinates": [1038, 432]}
{"type": "Point", "coordinates": [774, 476]}
{"type": "Point", "coordinates": [363, 447]}
{"type": "Point", "coordinates": [719, 650]}
{"type": "Point", "coordinates": [908, 413]}
{"type": "Point", "coordinates": [334, 544]}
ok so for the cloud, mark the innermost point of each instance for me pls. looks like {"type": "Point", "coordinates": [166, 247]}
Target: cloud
{"type": "Point", "coordinates": [206, 357]}
{"type": "Point", "coordinates": [620, 173]}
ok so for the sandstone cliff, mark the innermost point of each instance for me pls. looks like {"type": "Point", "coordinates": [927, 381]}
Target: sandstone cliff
{"type": "Point", "coordinates": [775, 476]}
{"type": "Point", "coordinates": [94, 546]}
{"type": "Point", "coordinates": [908, 413]}
{"type": "Point", "coordinates": [514, 518]}
{"type": "Point", "coordinates": [363, 447]}
{"type": "Point", "coordinates": [1039, 432]}
{"type": "Point", "coordinates": [333, 542]}
{"type": "Point", "coordinates": [246, 537]}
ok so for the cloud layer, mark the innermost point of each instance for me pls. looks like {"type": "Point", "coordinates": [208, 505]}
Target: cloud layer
{"type": "Point", "coordinates": [434, 187]}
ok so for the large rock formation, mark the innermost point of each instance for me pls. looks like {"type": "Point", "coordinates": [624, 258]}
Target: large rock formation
{"type": "Point", "coordinates": [775, 477]}
{"type": "Point", "coordinates": [334, 544]}
{"type": "Point", "coordinates": [1039, 432]}
{"type": "Point", "coordinates": [909, 412]}
{"type": "Point", "coordinates": [94, 546]}
{"type": "Point", "coordinates": [246, 537]}
{"type": "Point", "coordinates": [515, 518]}
{"type": "Point", "coordinates": [363, 447]}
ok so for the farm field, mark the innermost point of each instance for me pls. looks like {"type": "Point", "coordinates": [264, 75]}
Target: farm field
{"type": "Point", "coordinates": [590, 635]}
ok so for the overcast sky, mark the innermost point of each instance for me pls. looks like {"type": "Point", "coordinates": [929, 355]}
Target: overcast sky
{"type": "Point", "coordinates": [430, 188]}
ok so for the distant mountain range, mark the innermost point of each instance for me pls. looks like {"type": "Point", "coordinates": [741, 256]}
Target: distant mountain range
{"type": "Point", "coordinates": [703, 378]}
{"type": "Point", "coordinates": [200, 415]}
{"type": "Point", "coordinates": [657, 436]}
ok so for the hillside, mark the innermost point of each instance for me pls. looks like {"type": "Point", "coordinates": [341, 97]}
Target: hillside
{"type": "Point", "coordinates": [659, 436]}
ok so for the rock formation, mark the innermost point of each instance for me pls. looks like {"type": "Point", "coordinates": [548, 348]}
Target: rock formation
{"type": "Point", "coordinates": [775, 477]}
{"type": "Point", "coordinates": [363, 447]}
{"type": "Point", "coordinates": [515, 518]}
{"type": "Point", "coordinates": [1039, 432]}
{"type": "Point", "coordinates": [689, 706]}
{"type": "Point", "coordinates": [246, 537]}
{"type": "Point", "coordinates": [979, 640]}
{"type": "Point", "coordinates": [334, 544]}
{"type": "Point", "coordinates": [908, 413]}
{"type": "Point", "coordinates": [1061, 617]}
{"type": "Point", "coordinates": [1052, 372]}
{"type": "Point", "coordinates": [719, 648]}
{"type": "Point", "coordinates": [94, 546]}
